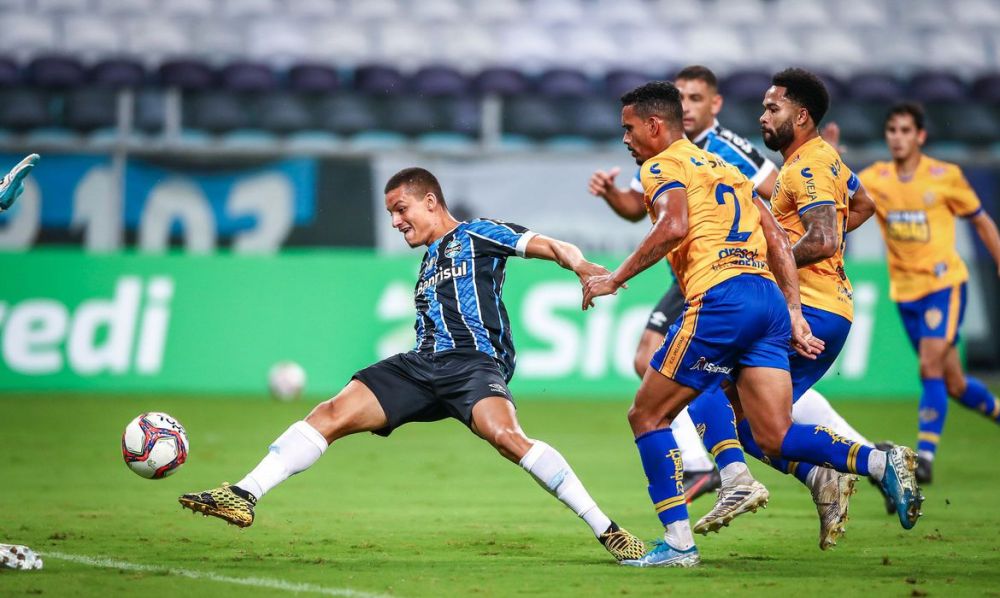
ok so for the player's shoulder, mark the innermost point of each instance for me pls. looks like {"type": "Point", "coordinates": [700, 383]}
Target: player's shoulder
{"type": "Point", "coordinates": [939, 169]}
{"type": "Point", "coordinates": [663, 163]}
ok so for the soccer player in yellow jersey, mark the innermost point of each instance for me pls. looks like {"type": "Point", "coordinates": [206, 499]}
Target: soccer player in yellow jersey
{"type": "Point", "coordinates": [728, 253]}
{"type": "Point", "coordinates": [917, 200]}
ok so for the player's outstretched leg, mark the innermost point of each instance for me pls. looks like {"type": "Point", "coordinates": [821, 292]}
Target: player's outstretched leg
{"type": "Point", "coordinates": [739, 493]}
{"type": "Point", "coordinates": [354, 409]}
{"type": "Point", "coordinates": [494, 419]}
{"type": "Point", "coordinates": [775, 433]}
{"type": "Point", "coordinates": [12, 183]}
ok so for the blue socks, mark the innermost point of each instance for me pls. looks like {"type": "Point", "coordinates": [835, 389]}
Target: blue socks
{"type": "Point", "coordinates": [819, 444]}
{"type": "Point", "coordinates": [979, 398]}
{"type": "Point", "coordinates": [798, 469]}
{"type": "Point", "coordinates": [933, 410]}
{"type": "Point", "coordinates": [715, 421]}
{"type": "Point", "coordinates": [661, 460]}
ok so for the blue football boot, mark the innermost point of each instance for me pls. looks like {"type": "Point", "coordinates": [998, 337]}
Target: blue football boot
{"type": "Point", "coordinates": [900, 484]}
{"type": "Point", "coordinates": [665, 555]}
{"type": "Point", "coordinates": [12, 183]}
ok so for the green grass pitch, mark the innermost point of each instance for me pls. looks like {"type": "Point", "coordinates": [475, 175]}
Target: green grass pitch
{"type": "Point", "coordinates": [433, 511]}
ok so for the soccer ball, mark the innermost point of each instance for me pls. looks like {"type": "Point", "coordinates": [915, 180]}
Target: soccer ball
{"type": "Point", "coordinates": [286, 380]}
{"type": "Point", "coordinates": [154, 445]}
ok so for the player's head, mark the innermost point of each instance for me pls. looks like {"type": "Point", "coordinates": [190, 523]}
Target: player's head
{"type": "Point", "coordinates": [794, 105]}
{"type": "Point", "coordinates": [700, 98]}
{"type": "Point", "coordinates": [414, 199]}
{"type": "Point", "coordinates": [652, 118]}
{"type": "Point", "coordinates": [904, 129]}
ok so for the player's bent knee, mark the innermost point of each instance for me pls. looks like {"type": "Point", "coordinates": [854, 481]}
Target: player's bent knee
{"type": "Point", "coordinates": [643, 421]}
{"type": "Point", "coordinates": [510, 442]}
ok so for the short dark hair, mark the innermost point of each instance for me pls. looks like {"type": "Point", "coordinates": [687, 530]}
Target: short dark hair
{"type": "Point", "coordinates": [419, 179]}
{"type": "Point", "coordinates": [696, 72]}
{"type": "Point", "coordinates": [914, 109]}
{"type": "Point", "coordinates": [806, 90]}
{"type": "Point", "coordinates": [656, 97]}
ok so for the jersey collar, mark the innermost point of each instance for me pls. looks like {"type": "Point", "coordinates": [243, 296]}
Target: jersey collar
{"type": "Point", "coordinates": [434, 245]}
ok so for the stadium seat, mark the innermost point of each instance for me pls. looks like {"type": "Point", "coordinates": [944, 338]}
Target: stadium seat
{"type": "Point", "coordinates": [26, 35]}
{"type": "Point", "coordinates": [345, 114]}
{"type": "Point", "coordinates": [936, 86]}
{"type": "Point", "coordinates": [555, 12]}
{"type": "Point", "coordinates": [123, 8]}
{"type": "Point", "coordinates": [837, 50]}
{"type": "Point", "coordinates": [374, 10]}
{"type": "Point", "coordinates": [150, 110]}
{"type": "Point", "coordinates": [277, 41]}
{"type": "Point", "coordinates": [283, 113]}
{"type": "Point", "coordinates": [462, 115]}
{"type": "Point", "coordinates": [438, 81]}
{"type": "Point", "coordinates": [720, 45]}
{"type": "Point", "coordinates": [497, 12]}
{"type": "Point", "coordinates": [501, 81]}
{"type": "Point", "coordinates": [247, 77]}
{"type": "Point", "coordinates": [59, 6]}
{"type": "Point", "coordinates": [310, 77]}
{"type": "Point", "coordinates": [977, 13]}
{"type": "Point", "coordinates": [834, 86]}
{"type": "Point", "coordinates": [617, 82]}
{"type": "Point", "coordinates": [748, 85]}
{"type": "Point", "coordinates": [740, 12]}
{"type": "Point", "coordinates": [157, 39]}
{"type": "Point", "coordinates": [673, 13]}
{"type": "Point", "coordinates": [530, 47]}
{"type": "Point", "coordinates": [186, 74]}
{"type": "Point", "coordinates": [771, 52]}
{"type": "Point", "coordinates": [91, 37]}
{"type": "Point", "coordinates": [56, 72]}
{"type": "Point", "coordinates": [313, 10]}
{"type": "Point", "coordinates": [955, 50]}
{"type": "Point", "coordinates": [339, 43]}
{"type": "Point", "coordinates": [986, 88]}
{"type": "Point", "coordinates": [564, 83]}
{"type": "Point", "coordinates": [216, 111]}
{"type": "Point", "coordinates": [377, 79]}
{"type": "Point", "coordinates": [874, 13]}
{"type": "Point", "coordinates": [117, 72]}
{"type": "Point", "coordinates": [239, 9]}
{"type": "Point", "coordinates": [403, 45]}
{"type": "Point", "coordinates": [591, 49]}
{"type": "Point", "coordinates": [874, 87]}
{"type": "Point", "coordinates": [858, 122]}
{"type": "Point", "coordinates": [23, 109]}
{"type": "Point", "coordinates": [410, 116]}
{"type": "Point", "coordinates": [915, 14]}
{"type": "Point", "coordinates": [436, 12]}
{"type": "Point", "coordinates": [469, 47]}
{"type": "Point", "coordinates": [89, 109]}
{"type": "Point", "coordinates": [963, 122]}
{"type": "Point", "coordinates": [10, 75]}
{"type": "Point", "coordinates": [188, 9]}
{"type": "Point", "coordinates": [597, 118]}
{"type": "Point", "coordinates": [533, 117]}
{"type": "Point", "coordinates": [799, 14]}
{"type": "Point", "coordinates": [620, 13]}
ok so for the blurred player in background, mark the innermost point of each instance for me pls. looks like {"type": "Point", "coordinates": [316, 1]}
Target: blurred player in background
{"type": "Point", "coordinates": [460, 368]}
{"type": "Point", "coordinates": [730, 255]}
{"type": "Point", "coordinates": [12, 184]}
{"type": "Point", "coordinates": [917, 199]}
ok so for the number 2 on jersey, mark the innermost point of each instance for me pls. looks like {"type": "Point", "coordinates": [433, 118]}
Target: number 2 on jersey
{"type": "Point", "coordinates": [735, 236]}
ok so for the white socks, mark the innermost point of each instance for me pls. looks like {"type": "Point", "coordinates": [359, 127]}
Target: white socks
{"type": "Point", "coordinates": [876, 464]}
{"type": "Point", "coordinates": [735, 473]}
{"type": "Point", "coordinates": [813, 408]}
{"type": "Point", "coordinates": [678, 534]}
{"type": "Point", "coordinates": [693, 452]}
{"type": "Point", "coordinates": [552, 472]}
{"type": "Point", "coordinates": [296, 450]}
{"type": "Point", "coordinates": [926, 455]}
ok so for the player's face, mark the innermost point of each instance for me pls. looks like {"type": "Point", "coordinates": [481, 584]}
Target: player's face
{"type": "Point", "coordinates": [903, 137]}
{"type": "Point", "coordinates": [412, 215]}
{"type": "Point", "coordinates": [701, 104]}
{"type": "Point", "coordinates": [638, 135]}
{"type": "Point", "coordinates": [776, 124]}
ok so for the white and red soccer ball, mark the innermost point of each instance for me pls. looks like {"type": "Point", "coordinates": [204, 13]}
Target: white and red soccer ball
{"type": "Point", "coordinates": [154, 445]}
{"type": "Point", "coordinates": [286, 380]}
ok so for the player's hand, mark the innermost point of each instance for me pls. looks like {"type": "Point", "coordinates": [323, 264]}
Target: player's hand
{"type": "Point", "coordinates": [831, 134]}
{"type": "Point", "coordinates": [598, 286]}
{"type": "Point", "coordinates": [602, 183]}
{"type": "Point", "coordinates": [588, 269]}
{"type": "Point", "coordinates": [803, 341]}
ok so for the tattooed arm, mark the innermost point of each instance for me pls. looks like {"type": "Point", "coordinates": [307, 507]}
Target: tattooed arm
{"type": "Point", "coordinates": [820, 240]}
{"type": "Point", "coordinates": [671, 227]}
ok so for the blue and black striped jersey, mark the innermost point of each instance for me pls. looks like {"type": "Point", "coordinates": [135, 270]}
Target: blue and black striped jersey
{"type": "Point", "coordinates": [458, 292]}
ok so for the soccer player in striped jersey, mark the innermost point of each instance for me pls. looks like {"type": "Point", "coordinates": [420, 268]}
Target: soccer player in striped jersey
{"type": "Point", "coordinates": [739, 276]}
{"type": "Point", "coordinates": [460, 367]}
{"type": "Point", "coordinates": [917, 201]}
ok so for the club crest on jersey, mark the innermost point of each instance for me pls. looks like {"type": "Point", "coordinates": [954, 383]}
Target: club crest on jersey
{"type": "Point", "coordinates": [933, 317]}
{"type": "Point", "coordinates": [655, 168]}
{"type": "Point", "coordinates": [929, 198]}
{"type": "Point", "coordinates": [452, 249]}
{"type": "Point", "coordinates": [806, 173]}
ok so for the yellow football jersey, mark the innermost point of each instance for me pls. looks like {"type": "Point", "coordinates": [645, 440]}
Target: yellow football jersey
{"type": "Point", "coordinates": [724, 236]}
{"type": "Point", "coordinates": [917, 217]}
{"type": "Point", "coordinates": [814, 176]}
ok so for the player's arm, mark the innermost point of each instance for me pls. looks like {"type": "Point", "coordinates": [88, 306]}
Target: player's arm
{"type": "Point", "coordinates": [860, 208]}
{"type": "Point", "coordinates": [626, 202]}
{"type": "Point", "coordinates": [782, 263]}
{"type": "Point", "coordinates": [820, 239]}
{"type": "Point", "coordinates": [766, 187]}
{"type": "Point", "coordinates": [565, 254]}
{"type": "Point", "coordinates": [986, 228]}
{"type": "Point", "coordinates": [671, 227]}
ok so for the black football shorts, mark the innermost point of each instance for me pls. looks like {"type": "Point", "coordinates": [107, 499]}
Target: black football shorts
{"type": "Point", "coordinates": [666, 311]}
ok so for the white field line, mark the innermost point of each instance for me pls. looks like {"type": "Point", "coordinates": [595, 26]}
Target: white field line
{"type": "Point", "coordinates": [255, 582]}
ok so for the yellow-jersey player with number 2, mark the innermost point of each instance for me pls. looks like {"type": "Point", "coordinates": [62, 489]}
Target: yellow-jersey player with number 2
{"type": "Point", "coordinates": [918, 200]}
